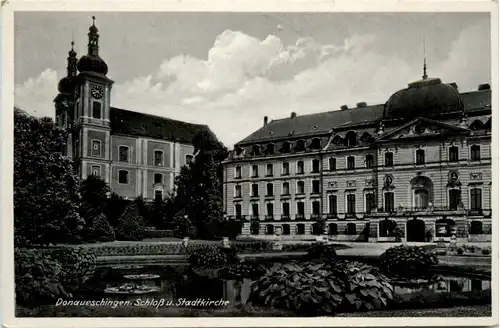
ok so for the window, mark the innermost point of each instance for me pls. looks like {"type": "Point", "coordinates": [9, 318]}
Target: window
{"type": "Point", "coordinates": [420, 157]}
{"type": "Point", "coordinates": [286, 168]}
{"type": "Point", "coordinates": [389, 159]}
{"type": "Point", "coordinates": [255, 190]}
{"type": "Point", "coordinates": [351, 163]}
{"type": "Point", "coordinates": [158, 177]}
{"type": "Point", "coordinates": [476, 228]}
{"type": "Point", "coordinates": [300, 187]}
{"type": "Point", "coordinates": [237, 211]}
{"type": "Point", "coordinates": [256, 150]}
{"type": "Point", "coordinates": [286, 229]}
{"type": "Point", "coordinates": [301, 229]}
{"type": "Point", "coordinates": [158, 194]}
{"type": "Point", "coordinates": [350, 139]}
{"type": "Point", "coordinates": [300, 167]}
{"type": "Point", "coordinates": [351, 229]}
{"type": "Point", "coordinates": [189, 159]}
{"type": "Point", "coordinates": [455, 196]}
{"type": "Point", "coordinates": [315, 186]}
{"type": "Point", "coordinates": [369, 161]}
{"type": "Point", "coordinates": [300, 209]}
{"type": "Point", "coordinates": [476, 199]}
{"type": "Point", "coordinates": [421, 199]}
{"type": "Point", "coordinates": [269, 210]}
{"type": "Point", "coordinates": [123, 154]}
{"type": "Point", "coordinates": [315, 165]}
{"type": "Point", "coordinates": [453, 154]}
{"type": "Point", "coordinates": [316, 143]}
{"type": "Point", "coordinates": [332, 204]}
{"type": "Point", "coordinates": [96, 109]}
{"type": "Point", "coordinates": [285, 210]}
{"type": "Point", "coordinates": [96, 148]}
{"type": "Point", "coordinates": [315, 207]}
{"type": "Point", "coordinates": [123, 176]}
{"type": "Point", "coordinates": [255, 210]}
{"type": "Point", "coordinates": [237, 172]}
{"type": "Point", "coordinates": [269, 229]}
{"type": "Point", "coordinates": [300, 146]}
{"type": "Point", "coordinates": [237, 191]}
{"type": "Point", "coordinates": [269, 170]}
{"type": "Point", "coordinates": [316, 229]}
{"type": "Point", "coordinates": [96, 170]}
{"type": "Point", "coordinates": [286, 188]}
{"type": "Point", "coordinates": [351, 204]}
{"type": "Point", "coordinates": [270, 149]}
{"type": "Point", "coordinates": [389, 202]}
{"type": "Point", "coordinates": [255, 171]}
{"type": "Point", "coordinates": [369, 202]}
{"type": "Point", "coordinates": [286, 148]}
{"type": "Point", "coordinates": [158, 158]}
{"type": "Point", "coordinates": [254, 228]}
{"type": "Point", "coordinates": [332, 163]}
{"type": "Point", "coordinates": [270, 189]}
{"type": "Point", "coordinates": [475, 153]}
{"type": "Point", "coordinates": [333, 229]}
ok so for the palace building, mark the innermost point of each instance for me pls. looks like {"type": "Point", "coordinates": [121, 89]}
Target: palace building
{"type": "Point", "coordinates": [136, 154]}
{"type": "Point", "coordinates": [416, 168]}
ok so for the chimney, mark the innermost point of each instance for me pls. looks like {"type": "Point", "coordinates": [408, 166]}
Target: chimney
{"type": "Point", "coordinates": [485, 86]}
{"type": "Point", "coordinates": [454, 85]}
{"type": "Point", "coordinates": [361, 104]}
{"type": "Point", "coordinates": [294, 115]}
{"type": "Point", "coordinates": [265, 120]}
{"type": "Point", "coordinates": [344, 107]}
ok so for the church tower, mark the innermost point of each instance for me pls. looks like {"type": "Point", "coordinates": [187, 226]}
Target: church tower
{"type": "Point", "coordinates": [91, 116]}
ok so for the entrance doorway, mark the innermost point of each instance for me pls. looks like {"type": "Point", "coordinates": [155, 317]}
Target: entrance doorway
{"type": "Point", "coordinates": [415, 231]}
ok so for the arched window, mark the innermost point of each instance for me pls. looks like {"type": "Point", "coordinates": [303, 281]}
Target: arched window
{"type": "Point", "coordinates": [332, 229]}
{"type": "Point", "coordinates": [421, 198]}
{"type": "Point", "coordinates": [300, 146]}
{"type": "Point", "coordinates": [351, 139]}
{"type": "Point", "coordinates": [286, 147]}
{"type": "Point", "coordinates": [316, 143]}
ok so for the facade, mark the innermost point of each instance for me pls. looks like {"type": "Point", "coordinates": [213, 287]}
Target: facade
{"type": "Point", "coordinates": [417, 168]}
{"type": "Point", "coordinates": [136, 154]}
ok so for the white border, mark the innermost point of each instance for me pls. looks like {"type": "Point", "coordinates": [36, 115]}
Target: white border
{"type": "Point", "coordinates": [8, 8]}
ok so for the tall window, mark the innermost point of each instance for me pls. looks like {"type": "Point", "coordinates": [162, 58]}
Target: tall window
{"type": "Point", "coordinates": [255, 190]}
{"type": "Point", "coordinates": [286, 168]}
{"type": "Point", "coordinates": [315, 207]}
{"type": "Point", "coordinates": [301, 229]}
{"type": "Point", "coordinates": [237, 210]}
{"type": "Point", "coordinates": [256, 150]}
{"type": "Point", "coordinates": [389, 202]}
{"type": "Point", "coordinates": [351, 229]}
{"type": "Point", "coordinates": [370, 163]}
{"type": "Point", "coordinates": [455, 196]}
{"type": "Point", "coordinates": [286, 210]}
{"type": "Point", "coordinates": [350, 139]}
{"type": "Point", "coordinates": [315, 186]}
{"type": "Point", "coordinates": [255, 210]}
{"type": "Point", "coordinates": [158, 195]}
{"type": "Point", "coordinates": [332, 204]}
{"type": "Point", "coordinates": [269, 170]}
{"type": "Point", "coordinates": [123, 154]}
{"type": "Point", "coordinates": [476, 199]}
{"type": "Point", "coordinates": [269, 229]}
{"type": "Point", "coordinates": [158, 178]}
{"type": "Point", "coordinates": [96, 148]}
{"type": "Point", "coordinates": [286, 229]}
{"type": "Point", "coordinates": [237, 172]}
{"type": "Point", "coordinates": [255, 171]}
{"type": "Point", "coordinates": [332, 163]}
{"type": "Point", "coordinates": [351, 204]}
{"type": "Point", "coordinates": [420, 157]}
{"type": "Point", "coordinates": [269, 210]}
{"type": "Point", "coordinates": [369, 202]}
{"type": "Point", "coordinates": [300, 167]}
{"type": "Point", "coordinates": [237, 191]}
{"type": "Point", "coordinates": [315, 165]}
{"type": "Point", "coordinates": [96, 170]}
{"type": "Point", "coordinates": [333, 229]}
{"type": "Point", "coordinates": [300, 187]}
{"type": "Point", "coordinates": [123, 176]}
{"type": "Point", "coordinates": [389, 159]}
{"type": "Point", "coordinates": [270, 149]}
{"type": "Point", "coordinates": [159, 158]}
{"type": "Point", "coordinates": [421, 198]}
{"type": "Point", "coordinates": [475, 153]}
{"type": "Point", "coordinates": [96, 109]}
{"type": "Point", "coordinates": [350, 163]}
{"type": "Point", "coordinates": [453, 154]}
{"type": "Point", "coordinates": [270, 189]}
{"type": "Point", "coordinates": [300, 209]}
{"type": "Point", "coordinates": [286, 188]}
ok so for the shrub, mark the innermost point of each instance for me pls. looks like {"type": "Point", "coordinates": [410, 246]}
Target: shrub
{"type": "Point", "coordinates": [485, 251]}
{"type": "Point", "coordinates": [130, 226]}
{"type": "Point", "coordinates": [322, 289]}
{"type": "Point", "coordinates": [322, 251]}
{"type": "Point", "coordinates": [158, 233]}
{"type": "Point", "coordinates": [242, 270]}
{"type": "Point", "coordinates": [101, 230]}
{"type": "Point", "coordinates": [37, 278]}
{"type": "Point", "coordinates": [206, 256]}
{"type": "Point", "coordinates": [460, 251]}
{"type": "Point", "coordinates": [253, 246]}
{"type": "Point", "coordinates": [231, 254]}
{"type": "Point", "coordinates": [78, 265]}
{"type": "Point", "coordinates": [407, 261]}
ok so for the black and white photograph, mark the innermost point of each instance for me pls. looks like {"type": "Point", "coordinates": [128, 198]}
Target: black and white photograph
{"type": "Point", "coordinates": [251, 164]}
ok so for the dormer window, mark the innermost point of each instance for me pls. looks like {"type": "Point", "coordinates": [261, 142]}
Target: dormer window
{"type": "Point", "coordinates": [286, 147]}
{"type": "Point", "coordinates": [350, 139]}
{"type": "Point", "coordinates": [270, 149]}
{"type": "Point", "coordinates": [316, 143]}
{"type": "Point", "coordinates": [238, 150]}
{"type": "Point", "coordinates": [300, 146]}
{"type": "Point", "coordinates": [255, 150]}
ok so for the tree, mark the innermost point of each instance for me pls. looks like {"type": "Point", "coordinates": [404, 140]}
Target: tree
{"type": "Point", "coordinates": [94, 192]}
{"type": "Point", "coordinates": [46, 197]}
{"type": "Point", "coordinates": [115, 207]}
{"type": "Point", "coordinates": [131, 225]}
{"type": "Point", "coordinates": [101, 230]}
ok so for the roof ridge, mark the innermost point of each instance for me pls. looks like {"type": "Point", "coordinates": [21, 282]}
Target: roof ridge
{"type": "Point", "coordinates": [157, 116]}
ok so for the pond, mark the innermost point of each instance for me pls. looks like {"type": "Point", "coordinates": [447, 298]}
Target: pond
{"type": "Point", "coordinates": [173, 283]}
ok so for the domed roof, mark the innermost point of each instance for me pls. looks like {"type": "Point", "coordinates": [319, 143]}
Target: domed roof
{"type": "Point", "coordinates": [94, 64]}
{"type": "Point", "coordinates": [65, 85]}
{"type": "Point", "coordinates": [426, 97]}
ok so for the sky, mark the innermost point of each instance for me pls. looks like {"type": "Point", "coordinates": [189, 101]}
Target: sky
{"type": "Point", "coordinates": [229, 70]}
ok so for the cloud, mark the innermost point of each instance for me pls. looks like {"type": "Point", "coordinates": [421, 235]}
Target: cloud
{"type": "Point", "coordinates": [244, 78]}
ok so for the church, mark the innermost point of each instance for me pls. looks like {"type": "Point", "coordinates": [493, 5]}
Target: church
{"type": "Point", "coordinates": [416, 168]}
{"type": "Point", "coordinates": [135, 153]}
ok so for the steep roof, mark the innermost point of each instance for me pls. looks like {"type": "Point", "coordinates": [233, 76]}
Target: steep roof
{"type": "Point", "coordinates": [156, 127]}
{"type": "Point", "coordinates": [321, 123]}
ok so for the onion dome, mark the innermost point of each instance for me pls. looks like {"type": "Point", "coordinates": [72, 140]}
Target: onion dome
{"type": "Point", "coordinates": [66, 84]}
{"type": "Point", "coordinates": [94, 64]}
